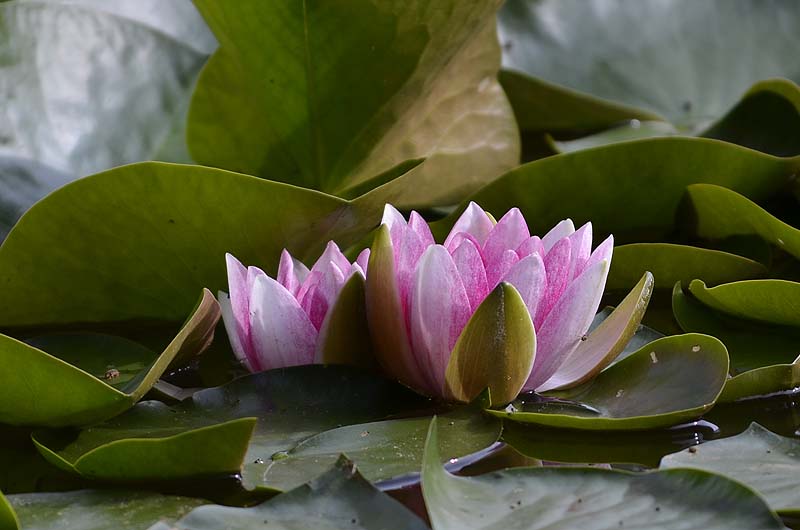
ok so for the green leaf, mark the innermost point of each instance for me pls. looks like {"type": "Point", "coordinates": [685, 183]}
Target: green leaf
{"type": "Point", "coordinates": [98, 510]}
{"type": "Point", "coordinates": [339, 499]}
{"type": "Point", "coordinates": [631, 130]}
{"type": "Point", "coordinates": [90, 85]}
{"type": "Point", "coordinates": [750, 344]}
{"type": "Point", "coordinates": [588, 498]}
{"type": "Point", "coordinates": [593, 39]}
{"type": "Point", "coordinates": [284, 99]}
{"type": "Point", "coordinates": [677, 263]}
{"type": "Point", "coordinates": [495, 351]}
{"type": "Point", "coordinates": [721, 213]}
{"type": "Point", "coordinates": [769, 301]}
{"type": "Point", "coordinates": [384, 450]}
{"type": "Point", "coordinates": [37, 388]}
{"type": "Point", "coordinates": [645, 179]}
{"type": "Point", "coordinates": [765, 461]}
{"type": "Point", "coordinates": [147, 237]}
{"type": "Point", "coordinates": [345, 328]}
{"type": "Point", "coordinates": [605, 342]}
{"type": "Point", "coordinates": [150, 442]}
{"type": "Point", "coordinates": [669, 381]}
{"type": "Point", "coordinates": [8, 519]}
{"type": "Point", "coordinates": [761, 382]}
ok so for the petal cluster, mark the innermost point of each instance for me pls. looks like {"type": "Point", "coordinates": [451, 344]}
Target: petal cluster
{"type": "Point", "coordinates": [437, 288]}
{"type": "Point", "coordinates": [280, 322]}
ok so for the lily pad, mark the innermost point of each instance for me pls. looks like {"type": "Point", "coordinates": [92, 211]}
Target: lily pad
{"type": "Point", "coordinates": [142, 70]}
{"type": "Point", "coordinates": [151, 440]}
{"type": "Point", "coordinates": [138, 242]}
{"type": "Point", "coordinates": [595, 38]}
{"type": "Point", "coordinates": [646, 179]}
{"type": "Point", "coordinates": [769, 301]}
{"type": "Point", "coordinates": [671, 263]}
{"type": "Point", "coordinates": [339, 499]}
{"type": "Point", "coordinates": [384, 450]}
{"type": "Point", "coordinates": [721, 213]}
{"type": "Point", "coordinates": [761, 382]}
{"type": "Point", "coordinates": [588, 498]}
{"type": "Point", "coordinates": [98, 510]}
{"type": "Point", "coordinates": [669, 381]}
{"type": "Point", "coordinates": [8, 519]}
{"type": "Point", "coordinates": [37, 388]}
{"type": "Point", "coordinates": [765, 461]}
{"type": "Point", "coordinates": [284, 100]}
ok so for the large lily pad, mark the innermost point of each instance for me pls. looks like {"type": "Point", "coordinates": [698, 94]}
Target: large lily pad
{"type": "Point", "coordinates": [769, 301]}
{"type": "Point", "coordinates": [384, 450]}
{"type": "Point", "coordinates": [669, 381]}
{"type": "Point", "coordinates": [645, 179]}
{"type": "Point", "coordinates": [290, 405]}
{"type": "Point", "coordinates": [98, 510]}
{"type": "Point", "coordinates": [139, 241]}
{"type": "Point", "coordinates": [588, 498]}
{"type": "Point", "coordinates": [88, 85]}
{"type": "Point", "coordinates": [339, 499]}
{"type": "Point", "coordinates": [721, 213]}
{"type": "Point", "coordinates": [594, 40]}
{"type": "Point", "coordinates": [765, 461]}
{"type": "Point", "coordinates": [37, 388]}
{"type": "Point", "coordinates": [284, 99]}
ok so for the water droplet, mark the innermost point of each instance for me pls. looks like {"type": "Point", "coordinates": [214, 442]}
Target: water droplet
{"type": "Point", "coordinates": [653, 357]}
{"type": "Point", "coordinates": [258, 461]}
{"type": "Point", "coordinates": [635, 124]}
{"type": "Point", "coordinates": [696, 348]}
{"type": "Point", "coordinates": [620, 393]}
{"type": "Point", "coordinates": [364, 434]}
{"type": "Point", "coordinates": [781, 242]}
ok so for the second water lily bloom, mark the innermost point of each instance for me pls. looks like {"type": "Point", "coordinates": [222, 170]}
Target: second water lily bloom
{"type": "Point", "coordinates": [286, 321]}
{"type": "Point", "coordinates": [434, 306]}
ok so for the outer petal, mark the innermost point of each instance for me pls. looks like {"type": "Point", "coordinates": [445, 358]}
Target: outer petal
{"type": "Point", "coordinates": [496, 270]}
{"type": "Point", "coordinates": [557, 265]}
{"type": "Point", "coordinates": [283, 335]}
{"type": "Point", "coordinates": [474, 222]}
{"type": "Point", "coordinates": [363, 260]}
{"type": "Point", "coordinates": [603, 252]}
{"type": "Point", "coordinates": [469, 263]}
{"type": "Point", "coordinates": [420, 227]}
{"type": "Point", "coordinates": [231, 326]}
{"type": "Point", "coordinates": [239, 296]}
{"type": "Point", "coordinates": [509, 233]}
{"type": "Point", "coordinates": [530, 246]}
{"type": "Point", "coordinates": [560, 231]}
{"type": "Point", "coordinates": [439, 311]}
{"type": "Point", "coordinates": [529, 278]}
{"type": "Point", "coordinates": [566, 324]}
{"type": "Point", "coordinates": [291, 272]}
{"type": "Point", "coordinates": [581, 241]}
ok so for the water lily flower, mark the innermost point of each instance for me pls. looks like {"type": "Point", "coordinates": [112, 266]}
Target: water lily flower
{"type": "Point", "coordinates": [428, 303]}
{"type": "Point", "coordinates": [275, 323]}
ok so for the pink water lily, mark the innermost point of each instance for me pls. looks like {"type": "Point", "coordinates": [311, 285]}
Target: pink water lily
{"type": "Point", "coordinates": [420, 299]}
{"type": "Point", "coordinates": [275, 323]}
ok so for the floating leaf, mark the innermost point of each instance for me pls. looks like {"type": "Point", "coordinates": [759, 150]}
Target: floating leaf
{"type": "Point", "coordinates": [339, 499]}
{"type": "Point", "coordinates": [765, 461]}
{"type": "Point", "coordinates": [588, 498]}
{"type": "Point", "coordinates": [761, 382]}
{"type": "Point", "coordinates": [495, 351]}
{"type": "Point", "coordinates": [721, 213]}
{"type": "Point", "coordinates": [645, 179]}
{"type": "Point", "coordinates": [669, 381]}
{"type": "Point", "coordinates": [769, 301]}
{"type": "Point", "coordinates": [37, 388]}
{"type": "Point", "coordinates": [8, 519]}
{"type": "Point", "coordinates": [283, 100]}
{"type": "Point", "coordinates": [98, 510]}
{"type": "Point", "coordinates": [90, 85]}
{"type": "Point", "coordinates": [384, 450]}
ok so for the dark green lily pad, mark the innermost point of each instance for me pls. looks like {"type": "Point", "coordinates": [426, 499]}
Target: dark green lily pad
{"type": "Point", "coordinates": [761, 382]}
{"type": "Point", "coordinates": [669, 381]}
{"type": "Point", "coordinates": [580, 50]}
{"type": "Point", "coordinates": [37, 388]}
{"type": "Point", "coordinates": [588, 498]}
{"type": "Point", "coordinates": [645, 179]}
{"type": "Point", "coordinates": [677, 263]}
{"type": "Point", "coordinates": [409, 83]}
{"type": "Point", "coordinates": [8, 519]}
{"type": "Point", "coordinates": [98, 510]}
{"type": "Point", "coordinates": [765, 461]}
{"type": "Point", "coordinates": [290, 404]}
{"type": "Point", "coordinates": [721, 213]}
{"type": "Point", "coordinates": [338, 499]}
{"type": "Point", "coordinates": [384, 450]}
{"type": "Point", "coordinates": [768, 301]}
